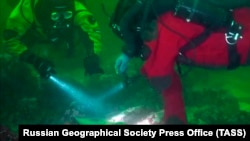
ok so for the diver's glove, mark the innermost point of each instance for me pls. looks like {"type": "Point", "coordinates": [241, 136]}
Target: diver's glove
{"type": "Point", "coordinates": [121, 63]}
{"type": "Point", "coordinates": [44, 67]}
{"type": "Point", "coordinates": [92, 65]}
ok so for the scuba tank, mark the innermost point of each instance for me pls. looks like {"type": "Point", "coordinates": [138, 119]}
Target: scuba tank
{"type": "Point", "coordinates": [203, 13]}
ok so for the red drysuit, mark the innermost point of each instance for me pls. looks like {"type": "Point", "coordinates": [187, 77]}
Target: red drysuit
{"type": "Point", "coordinates": [212, 52]}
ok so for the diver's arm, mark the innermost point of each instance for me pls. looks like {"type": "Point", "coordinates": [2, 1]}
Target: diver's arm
{"type": "Point", "coordinates": [129, 36]}
{"type": "Point", "coordinates": [87, 22]}
{"type": "Point", "coordinates": [231, 4]}
{"type": "Point", "coordinates": [156, 8]}
{"type": "Point", "coordinates": [16, 27]}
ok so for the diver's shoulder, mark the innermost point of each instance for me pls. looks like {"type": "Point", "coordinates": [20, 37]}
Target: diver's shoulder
{"type": "Point", "coordinates": [79, 5]}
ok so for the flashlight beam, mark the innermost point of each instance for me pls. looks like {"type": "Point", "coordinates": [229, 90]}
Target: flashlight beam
{"type": "Point", "coordinates": [77, 94]}
{"type": "Point", "coordinates": [114, 90]}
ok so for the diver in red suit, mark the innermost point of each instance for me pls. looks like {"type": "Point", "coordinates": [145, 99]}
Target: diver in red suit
{"type": "Point", "coordinates": [211, 34]}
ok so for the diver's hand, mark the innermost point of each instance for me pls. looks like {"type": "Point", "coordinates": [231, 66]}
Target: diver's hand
{"type": "Point", "coordinates": [44, 67]}
{"type": "Point", "coordinates": [92, 65]}
{"type": "Point", "coordinates": [121, 63]}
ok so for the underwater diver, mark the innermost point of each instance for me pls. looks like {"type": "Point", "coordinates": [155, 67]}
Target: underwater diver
{"type": "Point", "coordinates": [56, 22]}
{"type": "Point", "coordinates": [167, 33]}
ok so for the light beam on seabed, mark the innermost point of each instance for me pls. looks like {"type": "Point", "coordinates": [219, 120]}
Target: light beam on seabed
{"type": "Point", "coordinates": [148, 119]}
{"type": "Point", "coordinates": [79, 96]}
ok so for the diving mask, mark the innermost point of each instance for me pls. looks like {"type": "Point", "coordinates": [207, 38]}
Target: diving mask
{"type": "Point", "coordinates": [61, 16]}
{"type": "Point", "coordinates": [56, 15]}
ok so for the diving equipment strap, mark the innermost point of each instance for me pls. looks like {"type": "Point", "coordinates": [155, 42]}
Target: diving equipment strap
{"type": "Point", "coordinates": [232, 35]}
{"type": "Point", "coordinates": [212, 18]}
